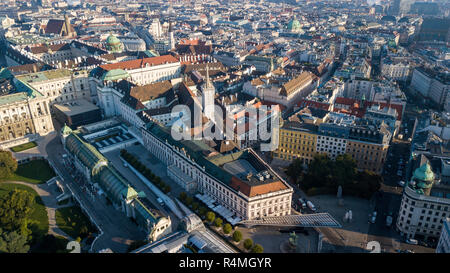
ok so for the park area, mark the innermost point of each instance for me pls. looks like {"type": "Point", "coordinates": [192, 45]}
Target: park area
{"type": "Point", "coordinates": [74, 222]}
{"type": "Point", "coordinates": [38, 217]}
{"type": "Point", "coordinates": [23, 147]}
{"type": "Point", "coordinates": [36, 172]}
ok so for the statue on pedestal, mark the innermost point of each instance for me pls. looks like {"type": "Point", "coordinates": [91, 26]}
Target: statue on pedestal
{"type": "Point", "coordinates": [293, 240]}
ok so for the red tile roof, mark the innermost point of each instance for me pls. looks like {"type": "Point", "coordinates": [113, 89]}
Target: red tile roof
{"type": "Point", "coordinates": [135, 64]}
{"type": "Point", "coordinates": [252, 191]}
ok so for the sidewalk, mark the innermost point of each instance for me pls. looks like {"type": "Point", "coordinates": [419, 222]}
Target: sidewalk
{"type": "Point", "coordinates": [51, 205]}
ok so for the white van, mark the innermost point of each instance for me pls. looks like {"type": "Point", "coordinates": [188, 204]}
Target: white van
{"type": "Point", "coordinates": [311, 206]}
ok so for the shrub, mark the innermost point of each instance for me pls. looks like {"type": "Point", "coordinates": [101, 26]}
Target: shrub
{"type": "Point", "coordinates": [317, 191]}
{"type": "Point", "coordinates": [182, 196]}
{"type": "Point", "coordinates": [133, 161]}
{"type": "Point", "coordinates": [218, 222]}
{"type": "Point", "coordinates": [195, 205]}
{"type": "Point", "coordinates": [257, 248]}
{"type": "Point", "coordinates": [237, 236]}
{"type": "Point", "coordinates": [189, 201]}
{"type": "Point", "coordinates": [167, 189]}
{"type": "Point", "coordinates": [202, 211]}
{"type": "Point", "coordinates": [210, 216]}
{"type": "Point", "coordinates": [248, 243]}
{"type": "Point", "coordinates": [147, 173]}
{"type": "Point", "coordinates": [227, 228]}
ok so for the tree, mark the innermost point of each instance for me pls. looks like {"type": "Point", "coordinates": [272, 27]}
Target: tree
{"type": "Point", "coordinates": [237, 236]}
{"type": "Point", "coordinates": [84, 231]}
{"type": "Point", "coordinates": [13, 242]}
{"type": "Point", "coordinates": [295, 169]}
{"type": "Point", "coordinates": [248, 243]}
{"type": "Point", "coordinates": [167, 189]}
{"type": "Point", "coordinates": [195, 205]}
{"type": "Point", "coordinates": [8, 164]}
{"type": "Point", "coordinates": [344, 170]}
{"type": "Point", "coordinates": [257, 248]}
{"type": "Point", "coordinates": [202, 211]}
{"type": "Point", "coordinates": [15, 207]}
{"type": "Point", "coordinates": [227, 228]}
{"type": "Point", "coordinates": [189, 200]}
{"type": "Point", "coordinates": [182, 196]}
{"type": "Point", "coordinates": [210, 216]}
{"type": "Point", "coordinates": [218, 222]}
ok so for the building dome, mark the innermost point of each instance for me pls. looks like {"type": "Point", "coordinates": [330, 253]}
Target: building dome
{"type": "Point", "coordinates": [115, 74]}
{"type": "Point", "coordinates": [424, 173]}
{"type": "Point", "coordinates": [113, 44]}
{"type": "Point", "coordinates": [294, 25]}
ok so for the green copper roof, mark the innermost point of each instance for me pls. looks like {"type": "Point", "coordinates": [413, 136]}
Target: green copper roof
{"type": "Point", "coordinates": [5, 73]}
{"type": "Point", "coordinates": [84, 151]}
{"type": "Point", "coordinates": [294, 25]}
{"type": "Point", "coordinates": [424, 173]}
{"type": "Point", "coordinates": [130, 193]}
{"type": "Point", "coordinates": [113, 44]}
{"type": "Point", "coordinates": [112, 40]}
{"type": "Point", "coordinates": [65, 130]}
{"type": "Point", "coordinates": [110, 180]}
{"type": "Point", "coordinates": [11, 98]}
{"type": "Point", "coordinates": [115, 74]}
{"type": "Point", "coordinates": [150, 53]}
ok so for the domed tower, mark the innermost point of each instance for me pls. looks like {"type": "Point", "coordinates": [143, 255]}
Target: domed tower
{"type": "Point", "coordinates": [294, 25]}
{"type": "Point", "coordinates": [113, 44]}
{"type": "Point", "coordinates": [424, 179]}
{"type": "Point", "coordinates": [65, 132]}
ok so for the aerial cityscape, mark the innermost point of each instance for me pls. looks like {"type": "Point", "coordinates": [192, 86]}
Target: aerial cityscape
{"type": "Point", "coordinates": [220, 126]}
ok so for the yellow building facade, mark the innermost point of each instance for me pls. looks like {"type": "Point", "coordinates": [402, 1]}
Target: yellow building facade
{"type": "Point", "coordinates": [297, 140]}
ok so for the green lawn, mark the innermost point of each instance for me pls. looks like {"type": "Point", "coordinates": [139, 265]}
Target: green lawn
{"type": "Point", "coordinates": [39, 216]}
{"type": "Point", "coordinates": [23, 147]}
{"type": "Point", "coordinates": [71, 220]}
{"type": "Point", "coordinates": [35, 172]}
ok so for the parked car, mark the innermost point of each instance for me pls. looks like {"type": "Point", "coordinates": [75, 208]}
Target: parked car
{"type": "Point", "coordinates": [160, 201]}
{"type": "Point", "coordinates": [401, 183]}
{"type": "Point", "coordinates": [125, 165]}
{"type": "Point", "coordinates": [373, 219]}
{"type": "Point", "coordinates": [399, 173]}
{"type": "Point", "coordinates": [389, 219]}
{"type": "Point", "coordinates": [302, 203]}
{"type": "Point", "coordinates": [412, 241]}
{"type": "Point", "coordinates": [311, 206]}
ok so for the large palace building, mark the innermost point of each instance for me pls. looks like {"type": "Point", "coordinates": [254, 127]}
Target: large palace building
{"type": "Point", "coordinates": [241, 182]}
